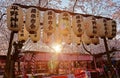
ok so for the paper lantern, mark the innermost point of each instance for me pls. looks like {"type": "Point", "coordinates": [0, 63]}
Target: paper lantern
{"type": "Point", "coordinates": [75, 39]}
{"type": "Point", "coordinates": [90, 26]}
{"type": "Point", "coordinates": [23, 34]}
{"type": "Point", "coordinates": [64, 23]}
{"type": "Point", "coordinates": [114, 29]}
{"type": "Point", "coordinates": [111, 29]}
{"type": "Point", "coordinates": [86, 39]}
{"type": "Point", "coordinates": [32, 20]}
{"type": "Point", "coordinates": [77, 24]}
{"type": "Point", "coordinates": [58, 36]}
{"type": "Point", "coordinates": [101, 25]}
{"type": "Point", "coordinates": [105, 26]}
{"type": "Point", "coordinates": [49, 23]}
{"type": "Point", "coordinates": [48, 38]}
{"type": "Point", "coordinates": [14, 18]}
{"type": "Point", "coordinates": [45, 38]}
{"type": "Point", "coordinates": [67, 39]}
{"type": "Point", "coordinates": [36, 36]}
{"type": "Point", "coordinates": [95, 40]}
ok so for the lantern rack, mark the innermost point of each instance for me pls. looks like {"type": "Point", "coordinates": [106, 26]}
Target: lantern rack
{"type": "Point", "coordinates": [58, 11]}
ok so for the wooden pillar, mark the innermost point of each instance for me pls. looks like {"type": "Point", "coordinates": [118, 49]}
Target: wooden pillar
{"type": "Point", "coordinates": [108, 57]}
{"type": "Point", "coordinates": [8, 58]}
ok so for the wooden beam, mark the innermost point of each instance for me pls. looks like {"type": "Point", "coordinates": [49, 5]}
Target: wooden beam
{"type": "Point", "coordinates": [57, 11]}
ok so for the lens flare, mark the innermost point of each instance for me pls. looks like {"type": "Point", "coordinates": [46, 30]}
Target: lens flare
{"type": "Point", "coordinates": [57, 48]}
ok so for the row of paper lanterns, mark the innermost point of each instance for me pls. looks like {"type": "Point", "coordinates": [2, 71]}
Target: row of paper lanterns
{"type": "Point", "coordinates": [88, 29]}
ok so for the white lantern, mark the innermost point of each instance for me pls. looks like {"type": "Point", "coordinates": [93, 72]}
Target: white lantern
{"type": "Point", "coordinates": [90, 26]}
{"type": "Point", "coordinates": [111, 29]}
{"type": "Point", "coordinates": [86, 39]}
{"type": "Point", "coordinates": [105, 26]}
{"type": "Point", "coordinates": [64, 23]}
{"type": "Point", "coordinates": [36, 36]}
{"type": "Point", "coordinates": [114, 29]}
{"type": "Point", "coordinates": [14, 18]}
{"type": "Point", "coordinates": [32, 20]}
{"type": "Point", "coordinates": [101, 25]}
{"type": "Point", "coordinates": [95, 40]}
{"type": "Point", "coordinates": [75, 38]}
{"type": "Point", "coordinates": [23, 34]}
{"type": "Point", "coordinates": [67, 39]}
{"type": "Point", "coordinates": [77, 25]}
{"type": "Point", "coordinates": [58, 35]}
{"type": "Point", "coordinates": [49, 23]}
{"type": "Point", "coordinates": [45, 38]}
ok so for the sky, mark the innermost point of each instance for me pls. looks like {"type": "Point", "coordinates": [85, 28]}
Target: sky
{"type": "Point", "coordinates": [65, 3]}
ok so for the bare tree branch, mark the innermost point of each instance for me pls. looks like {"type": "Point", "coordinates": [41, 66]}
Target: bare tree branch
{"type": "Point", "coordinates": [86, 49]}
{"type": "Point", "coordinates": [46, 3]}
{"type": "Point", "coordinates": [74, 5]}
{"type": "Point", "coordinates": [39, 3]}
{"type": "Point", "coordinates": [104, 53]}
{"type": "Point", "coordinates": [2, 16]}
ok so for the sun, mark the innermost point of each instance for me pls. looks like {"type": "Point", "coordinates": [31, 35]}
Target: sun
{"type": "Point", "coordinates": [57, 48]}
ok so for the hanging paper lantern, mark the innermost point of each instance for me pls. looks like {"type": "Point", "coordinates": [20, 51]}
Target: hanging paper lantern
{"type": "Point", "coordinates": [77, 24]}
{"type": "Point", "coordinates": [45, 38]}
{"type": "Point", "coordinates": [90, 26]}
{"type": "Point", "coordinates": [86, 39]}
{"type": "Point", "coordinates": [101, 27]}
{"type": "Point", "coordinates": [49, 23]}
{"type": "Point", "coordinates": [114, 29]}
{"type": "Point", "coordinates": [36, 36]}
{"type": "Point", "coordinates": [111, 29]}
{"type": "Point", "coordinates": [32, 20]}
{"type": "Point", "coordinates": [105, 26]}
{"type": "Point", "coordinates": [75, 38]}
{"type": "Point", "coordinates": [23, 34]}
{"type": "Point", "coordinates": [64, 23]}
{"type": "Point", "coordinates": [67, 39]}
{"type": "Point", "coordinates": [95, 40]}
{"type": "Point", "coordinates": [50, 38]}
{"type": "Point", "coordinates": [14, 18]}
{"type": "Point", "coordinates": [58, 35]}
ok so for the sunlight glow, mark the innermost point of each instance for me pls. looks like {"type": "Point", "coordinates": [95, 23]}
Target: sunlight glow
{"type": "Point", "coordinates": [57, 48]}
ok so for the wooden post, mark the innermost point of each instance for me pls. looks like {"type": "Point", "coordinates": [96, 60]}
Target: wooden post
{"type": "Point", "coordinates": [108, 56]}
{"type": "Point", "coordinates": [15, 54]}
{"type": "Point", "coordinates": [8, 58]}
{"type": "Point", "coordinates": [94, 60]}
